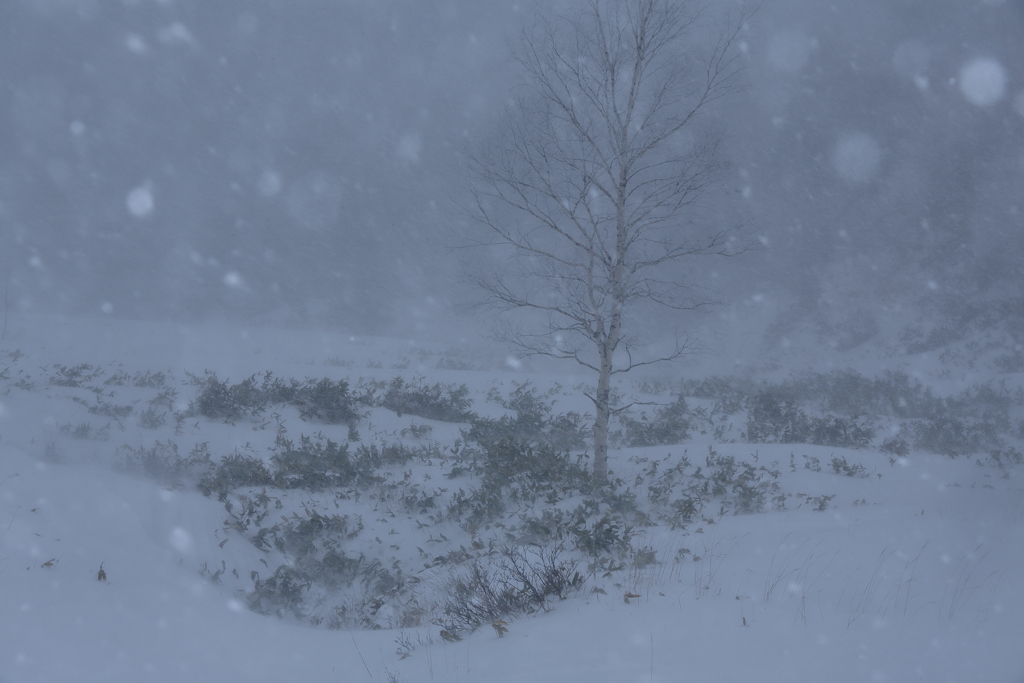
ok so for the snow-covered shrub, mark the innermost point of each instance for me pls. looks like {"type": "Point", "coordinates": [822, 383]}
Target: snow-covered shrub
{"type": "Point", "coordinates": [776, 417]}
{"type": "Point", "coordinates": [953, 436]}
{"type": "Point", "coordinates": [444, 402]}
{"type": "Point", "coordinates": [519, 581]}
{"type": "Point", "coordinates": [670, 424]}
{"type": "Point", "coordinates": [535, 422]}
{"type": "Point", "coordinates": [324, 400]}
{"type": "Point", "coordinates": [840, 466]}
{"type": "Point", "coordinates": [520, 471]}
{"type": "Point", "coordinates": [606, 535]}
{"type": "Point", "coordinates": [105, 409]}
{"type": "Point", "coordinates": [219, 400]}
{"type": "Point", "coordinates": [235, 471]}
{"type": "Point", "coordinates": [283, 592]}
{"type": "Point", "coordinates": [729, 393]}
{"type": "Point", "coordinates": [417, 431]}
{"type": "Point", "coordinates": [317, 463]}
{"type": "Point", "coordinates": [151, 418]}
{"type": "Point", "coordinates": [74, 376]}
{"type": "Point", "coordinates": [678, 492]}
{"type": "Point", "coordinates": [740, 486]}
{"type": "Point", "coordinates": [320, 582]}
{"type": "Point", "coordinates": [376, 456]}
{"type": "Point", "coordinates": [840, 432]}
{"type": "Point", "coordinates": [895, 445]}
{"type": "Point", "coordinates": [163, 463]}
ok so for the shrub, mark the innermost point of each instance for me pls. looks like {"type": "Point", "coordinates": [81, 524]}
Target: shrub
{"type": "Point", "coordinates": [315, 464]}
{"type": "Point", "coordinates": [323, 400]}
{"type": "Point", "coordinates": [320, 578]}
{"type": "Point", "coordinates": [606, 535]}
{"type": "Point", "coordinates": [521, 473]}
{"type": "Point", "coordinates": [967, 422]}
{"type": "Point", "coordinates": [518, 582]}
{"type": "Point", "coordinates": [301, 536]}
{"type": "Point", "coordinates": [444, 402]}
{"type": "Point", "coordinates": [1004, 457]}
{"type": "Point", "coordinates": [151, 418]}
{"type": "Point", "coordinates": [527, 472]}
{"type": "Point", "coordinates": [840, 466]}
{"type": "Point", "coordinates": [75, 376]}
{"type": "Point", "coordinates": [671, 424]}
{"type": "Point", "coordinates": [217, 400]}
{"type": "Point", "coordinates": [534, 423]}
{"type": "Point", "coordinates": [282, 593]}
{"type": "Point", "coordinates": [744, 487]}
{"type": "Point", "coordinates": [840, 432]}
{"type": "Point", "coordinates": [953, 436]}
{"type": "Point", "coordinates": [163, 463]}
{"type": "Point", "coordinates": [373, 456]}
{"type": "Point", "coordinates": [741, 486]}
{"type": "Point", "coordinates": [235, 471]}
{"type": "Point", "coordinates": [417, 431]}
{"type": "Point", "coordinates": [104, 409]}
{"type": "Point", "coordinates": [776, 418]}
{"type": "Point", "coordinates": [895, 445]}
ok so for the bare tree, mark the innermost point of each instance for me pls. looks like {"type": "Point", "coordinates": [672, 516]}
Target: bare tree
{"type": "Point", "coordinates": [588, 197]}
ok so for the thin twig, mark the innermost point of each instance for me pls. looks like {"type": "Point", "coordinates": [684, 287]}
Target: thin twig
{"type": "Point", "coordinates": [360, 655]}
{"type": "Point", "coordinates": [7, 285]}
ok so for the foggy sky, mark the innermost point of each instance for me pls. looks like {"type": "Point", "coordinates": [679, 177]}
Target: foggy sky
{"type": "Point", "coordinates": [298, 163]}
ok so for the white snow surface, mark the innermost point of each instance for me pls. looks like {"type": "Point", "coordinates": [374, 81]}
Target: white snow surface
{"type": "Point", "coordinates": [919, 582]}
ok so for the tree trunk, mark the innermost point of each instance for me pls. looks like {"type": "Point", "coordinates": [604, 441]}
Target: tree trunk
{"type": "Point", "coordinates": [603, 397]}
{"type": "Point", "coordinates": [602, 408]}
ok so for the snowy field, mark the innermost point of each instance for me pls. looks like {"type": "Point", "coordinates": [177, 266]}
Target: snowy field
{"type": "Point", "coordinates": [879, 567]}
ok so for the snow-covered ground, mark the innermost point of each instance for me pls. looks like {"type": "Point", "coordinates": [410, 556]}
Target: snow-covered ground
{"type": "Point", "coordinates": [910, 573]}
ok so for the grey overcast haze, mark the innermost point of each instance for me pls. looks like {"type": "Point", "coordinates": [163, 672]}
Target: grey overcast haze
{"type": "Point", "coordinates": [287, 333]}
{"type": "Point", "coordinates": [301, 163]}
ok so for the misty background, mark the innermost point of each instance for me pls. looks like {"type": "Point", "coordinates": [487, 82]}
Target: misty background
{"type": "Point", "coordinates": [300, 163]}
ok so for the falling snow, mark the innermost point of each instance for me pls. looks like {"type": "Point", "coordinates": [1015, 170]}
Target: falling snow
{"type": "Point", "coordinates": [790, 51]}
{"type": "Point", "coordinates": [409, 148]}
{"type": "Point", "coordinates": [140, 201]}
{"type": "Point", "coordinates": [297, 170]}
{"type": "Point", "coordinates": [983, 82]}
{"type": "Point", "coordinates": [856, 157]}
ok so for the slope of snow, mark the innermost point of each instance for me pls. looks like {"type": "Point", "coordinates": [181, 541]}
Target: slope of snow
{"type": "Point", "coordinates": [912, 573]}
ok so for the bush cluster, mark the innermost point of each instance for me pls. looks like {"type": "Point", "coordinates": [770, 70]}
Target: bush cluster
{"type": "Point", "coordinates": [775, 418]}
{"type": "Point", "coordinates": [444, 402]}
{"type": "Point", "coordinates": [519, 581]}
{"type": "Point", "coordinates": [235, 471]}
{"type": "Point", "coordinates": [318, 564]}
{"type": "Point", "coordinates": [324, 400]}
{"type": "Point", "coordinates": [670, 424]}
{"type": "Point", "coordinates": [315, 463]}
{"type": "Point", "coordinates": [527, 486]}
{"type": "Point", "coordinates": [75, 376]}
{"type": "Point", "coordinates": [163, 463]}
{"type": "Point", "coordinates": [597, 528]}
{"type": "Point", "coordinates": [829, 409]}
{"type": "Point", "coordinates": [514, 471]}
{"type": "Point", "coordinates": [680, 491]}
{"type": "Point", "coordinates": [535, 422]}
